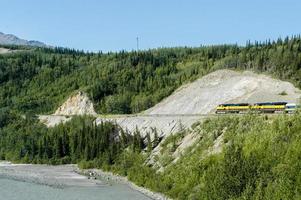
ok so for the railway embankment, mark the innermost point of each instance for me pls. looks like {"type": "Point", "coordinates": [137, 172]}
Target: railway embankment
{"type": "Point", "coordinates": [188, 104]}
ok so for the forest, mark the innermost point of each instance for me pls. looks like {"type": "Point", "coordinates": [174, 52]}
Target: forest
{"type": "Point", "coordinates": [38, 80]}
{"type": "Point", "coordinates": [24, 139]}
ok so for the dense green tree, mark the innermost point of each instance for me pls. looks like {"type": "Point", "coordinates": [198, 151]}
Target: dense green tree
{"type": "Point", "coordinates": [80, 139]}
{"type": "Point", "coordinates": [38, 80]}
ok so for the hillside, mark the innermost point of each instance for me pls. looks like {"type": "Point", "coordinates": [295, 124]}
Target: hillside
{"type": "Point", "coordinates": [238, 157]}
{"type": "Point", "coordinates": [230, 157]}
{"type": "Point", "coordinates": [40, 80]}
{"type": "Point", "coordinates": [199, 97]}
{"type": "Point", "coordinates": [219, 157]}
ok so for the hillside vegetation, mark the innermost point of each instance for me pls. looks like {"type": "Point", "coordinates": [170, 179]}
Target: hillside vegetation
{"type": "Point", "coordinates": [40, 79]}
{"type": "Point", "coordinates": [259, 157]}
{"type": "Point", "coordinates": [80, 139]}
{"type": "Point", "coordinates": [255, 162]}
{"type": "Point", "coordinates": [234, 157]}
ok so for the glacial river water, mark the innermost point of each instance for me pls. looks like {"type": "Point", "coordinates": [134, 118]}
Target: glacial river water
{"type": "Point", "coordinates": [42, 182]}
{"type": "Point", "coordinates": [21, 190]}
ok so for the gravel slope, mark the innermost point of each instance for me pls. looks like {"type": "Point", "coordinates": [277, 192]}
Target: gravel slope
{"type": "Point", "coordinates": [225, 86]}
{"type": "Point", "coordinates": [163, 125]}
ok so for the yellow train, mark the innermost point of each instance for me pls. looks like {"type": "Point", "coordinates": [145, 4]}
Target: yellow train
{"type": "Point", "coordinates": [266, 107]}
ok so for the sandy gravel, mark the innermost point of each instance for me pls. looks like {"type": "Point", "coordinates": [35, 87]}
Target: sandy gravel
{"type": "Point", "coordinates": [163, 125]}
{"type": "Point", "coordinates": [4, 50]}
{"type": "Point", "coordinates": [225, 86]}
{"type": "Point", "coordinates": [53, 120]}
{"type": "Point", "coordinates": [56, 176]}
{"type": "Point", "coordinates": [110, 177]}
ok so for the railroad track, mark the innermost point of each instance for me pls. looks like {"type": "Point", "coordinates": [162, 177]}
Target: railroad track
{"type": "Point", "coordinates": [164, 115]}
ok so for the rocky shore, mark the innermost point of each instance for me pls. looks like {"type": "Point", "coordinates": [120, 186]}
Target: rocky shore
{"type": "Point", "coordinates": [110, 177]}
{"type": "Point", "coordinates": [55, 176]}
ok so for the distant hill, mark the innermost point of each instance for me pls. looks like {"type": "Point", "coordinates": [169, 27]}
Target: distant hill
{"type": "Point", "coordinates": [9, 39]}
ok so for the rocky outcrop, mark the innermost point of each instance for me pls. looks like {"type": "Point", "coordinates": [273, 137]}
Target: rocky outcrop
{"type": "Point", "coordinates": [9, 39]}
{"type": "Point", "coordinates": [78, 104]}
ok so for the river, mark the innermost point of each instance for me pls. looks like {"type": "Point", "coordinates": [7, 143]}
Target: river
{"type": "Point", "coordinates": [31, 182]}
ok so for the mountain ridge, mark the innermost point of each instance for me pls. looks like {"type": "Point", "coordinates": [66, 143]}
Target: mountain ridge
{"type": "Point", "coordinates": [10, 39]}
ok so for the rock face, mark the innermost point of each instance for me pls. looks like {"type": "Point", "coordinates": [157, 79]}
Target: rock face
{"type": "Point", "coordinates": [78, 104]}
{"type": "Point", "coordinates": [9, 39]}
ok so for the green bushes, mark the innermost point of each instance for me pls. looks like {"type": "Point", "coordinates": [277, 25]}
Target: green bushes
{"type": "Point", "coordinates": [260, 160]}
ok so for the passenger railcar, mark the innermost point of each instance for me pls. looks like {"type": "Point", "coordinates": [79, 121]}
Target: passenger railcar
{"type": "Point", "coordinates": [232, 108]}
{"type": "Point", "coordinates": [265, 107]}
{"type": "Point", "coordinates": [269, 107]}
{"type": "Point", "coordinates": [291, 108]}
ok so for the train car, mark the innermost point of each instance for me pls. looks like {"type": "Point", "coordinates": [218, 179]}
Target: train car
{"type": "Point", "coordinates": [291, 108]}
{"type": "Point", "coordinates": [232, 108]}
{"type": "Point", "coordinates": [266, 107]}
{"type": "Point", "coordinates": [269, 107]}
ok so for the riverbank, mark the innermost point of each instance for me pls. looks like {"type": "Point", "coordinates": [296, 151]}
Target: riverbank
{"type": "Point", "coordinates": [110, 177]}
{"type": "Point", "coordinates": [54, 176]}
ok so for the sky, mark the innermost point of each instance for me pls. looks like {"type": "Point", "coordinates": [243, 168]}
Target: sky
{"type": "Point", "coordinates": [114, 25]}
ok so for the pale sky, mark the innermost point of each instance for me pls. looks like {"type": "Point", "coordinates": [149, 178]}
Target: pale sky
{"type": "Point", "coordinates": [111, 25]}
